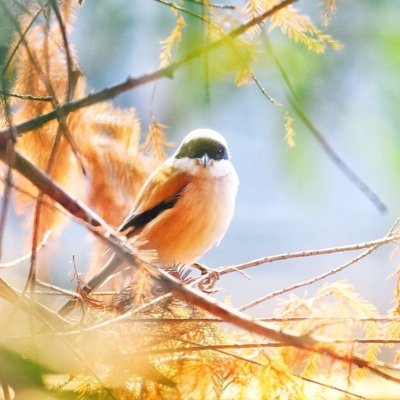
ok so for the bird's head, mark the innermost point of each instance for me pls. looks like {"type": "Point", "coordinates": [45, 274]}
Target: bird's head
{"type": "Point", "coordinates": [203, 152]}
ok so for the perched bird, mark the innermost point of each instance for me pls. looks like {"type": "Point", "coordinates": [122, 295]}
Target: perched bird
{"type": "Point", "coordinates": [184, 207]}
{"type": "Point", "coordinates": [186, 204]}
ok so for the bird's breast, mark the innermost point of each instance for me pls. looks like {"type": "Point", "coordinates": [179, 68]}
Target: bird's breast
{"type": "Point", "coordinates": [199, 219]}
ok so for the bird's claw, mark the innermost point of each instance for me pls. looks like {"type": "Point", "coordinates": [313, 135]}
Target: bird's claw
{"type": "Point", "coordinates": [209, 278]}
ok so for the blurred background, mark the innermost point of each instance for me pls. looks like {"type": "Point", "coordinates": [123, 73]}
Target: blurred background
{"type": "Point", "coordinates": [290, 199]}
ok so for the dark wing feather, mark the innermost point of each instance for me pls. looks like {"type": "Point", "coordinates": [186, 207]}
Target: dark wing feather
{"type": "Point", "coordinates": [137, 221]}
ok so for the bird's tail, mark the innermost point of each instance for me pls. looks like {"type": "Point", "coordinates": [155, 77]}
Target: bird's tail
{"type": "Point", "coordinates": [101, 277]}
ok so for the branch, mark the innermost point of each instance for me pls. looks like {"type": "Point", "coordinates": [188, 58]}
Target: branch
{"type": "Point", "coordinates": [20, 40]}
{"type": "Point", "coordinates": [130, 83]}
{"type": "Point", "coordinates": [26, 257]}
{"type": "Point", "coordinates": [310, 281]}
{"type": "Point", "coordinates": [338, 161]}
{"type": "Point", "coordinates": [326, 146]}
{"type": "Point", "coordinates": [214, 5]}
{"type": "Point", "coordinates": [308, 253]}
{"type": "Point", "coordinates": [25, 96]}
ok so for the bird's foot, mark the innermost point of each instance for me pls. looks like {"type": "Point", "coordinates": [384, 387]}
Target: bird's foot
{"type": "Point", "coordinates": [209, 278]}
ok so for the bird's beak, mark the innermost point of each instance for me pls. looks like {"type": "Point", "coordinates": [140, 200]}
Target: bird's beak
{"type": "Point", "coordinates": [205, 160]}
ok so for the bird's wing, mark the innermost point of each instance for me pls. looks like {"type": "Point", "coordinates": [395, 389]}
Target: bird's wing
{"type": "Point", "coordinates": [160, 192]}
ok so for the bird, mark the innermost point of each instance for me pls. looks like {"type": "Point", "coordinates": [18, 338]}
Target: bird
{"type": "Point", "coordinates": [186, 205]}
{"type": "Point", "coordinates": [183, 209]}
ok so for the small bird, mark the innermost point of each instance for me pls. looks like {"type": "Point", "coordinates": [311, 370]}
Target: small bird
{"type": "Point", "coordinates": [183, 209]}
{"type": "Point", "coordinates": [186, 204]}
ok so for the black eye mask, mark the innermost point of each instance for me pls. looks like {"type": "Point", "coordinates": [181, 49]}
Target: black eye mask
{"type": "Point", "coordinates": [196, 148]}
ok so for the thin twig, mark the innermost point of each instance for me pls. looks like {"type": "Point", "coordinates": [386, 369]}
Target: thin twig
{"type": "Point", "coordinates": [243, 346]}
{"type": "Point", "coordinates": [8, 179]}
{"type": "Point", "coordinates": [192, 345]}
{"type": "Point", "coordinates": [179, 8]}
{"type": "Point", "coordinates": [72, 73]}
{"type": "Point", "coordinates": [34, 197]}
{"type": "Point", "coordinates": [20, 40]}
{"type": "Point", "coordinates": [214, 5]}
{"type": "Point", "coordinates": [26, 257]}
{"type": "Point", "coordinates": [310, 281]}
{"type": "Point", "coordinates": [347, 392]}
{"type": "Point", "coordinates": [307, 253]}
{"type": "Point", "coordinates": [265, 93]}
{"type": "Point", "coordinates": [338, 161]}
{"type": "Point", "coordinates": [271, 320]}
{"type": "Point", "coordinates": [25, 96]}
{"type": "Point", "coordinates": [345, 168]}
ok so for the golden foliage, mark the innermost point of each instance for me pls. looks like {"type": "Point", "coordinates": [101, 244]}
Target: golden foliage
{"type": "Point", "coordinates": [155, 142]}
{"type": "Point", "coordinates": [300, 28]}
{"type": "Point", "coordinates": [289, 131]}
{"type": "Point", "coordinates": [178, 359]}
{"type": "Point", "coordinates": [341, 302]}
{"type": "Point", "coordinates": [328, 11]}
{"type": "Point", "coordinates": [252, 9]}
{"type": "Point", "coordinates": [172, 40]}
{"type": "Point", "coordinates": [106, 138]}
{"type": "Point", "coordinates": [296, 26]}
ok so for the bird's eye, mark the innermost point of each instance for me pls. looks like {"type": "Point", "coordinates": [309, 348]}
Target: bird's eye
{"type": "Point", "coordinates": [220, 152]}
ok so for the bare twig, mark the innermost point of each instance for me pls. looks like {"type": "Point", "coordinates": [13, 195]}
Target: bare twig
{"type": "Point", "coordinates": [271, 320]}
{"type": "Point", "coordinates": [179, 8]}
{"type": "Point", "coordinates": [310, 281]}
{"type": "Point", "coordinates": [214, 5]}
{"type": "Point", "coordinates": [26, 96]}
{"type": "Point", "coordinates": [308, 253]}
{"type": "Point", "coordinates": [26, 257]}
{"type": "Point", "coordinates": [242, 346]}
{"type": "Point", "coordinates": [20, 40]}
{"type": "Point", "coordinates": [43, 182]}
{"type": "Point", "coordinates": [338, 161]}
{"type": "Point", "coordinates": [345, 168]}
{"type": "Point", "coordinates": [194, 346]}
{"type": "Point", "coordinates": [347, 392]}
{"type": "Point", "coordinates": [72, 72]}
{"type": "Point", "coordinates": [8, 178]}
{"type": "Point", "coordinates": [264, 92]}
